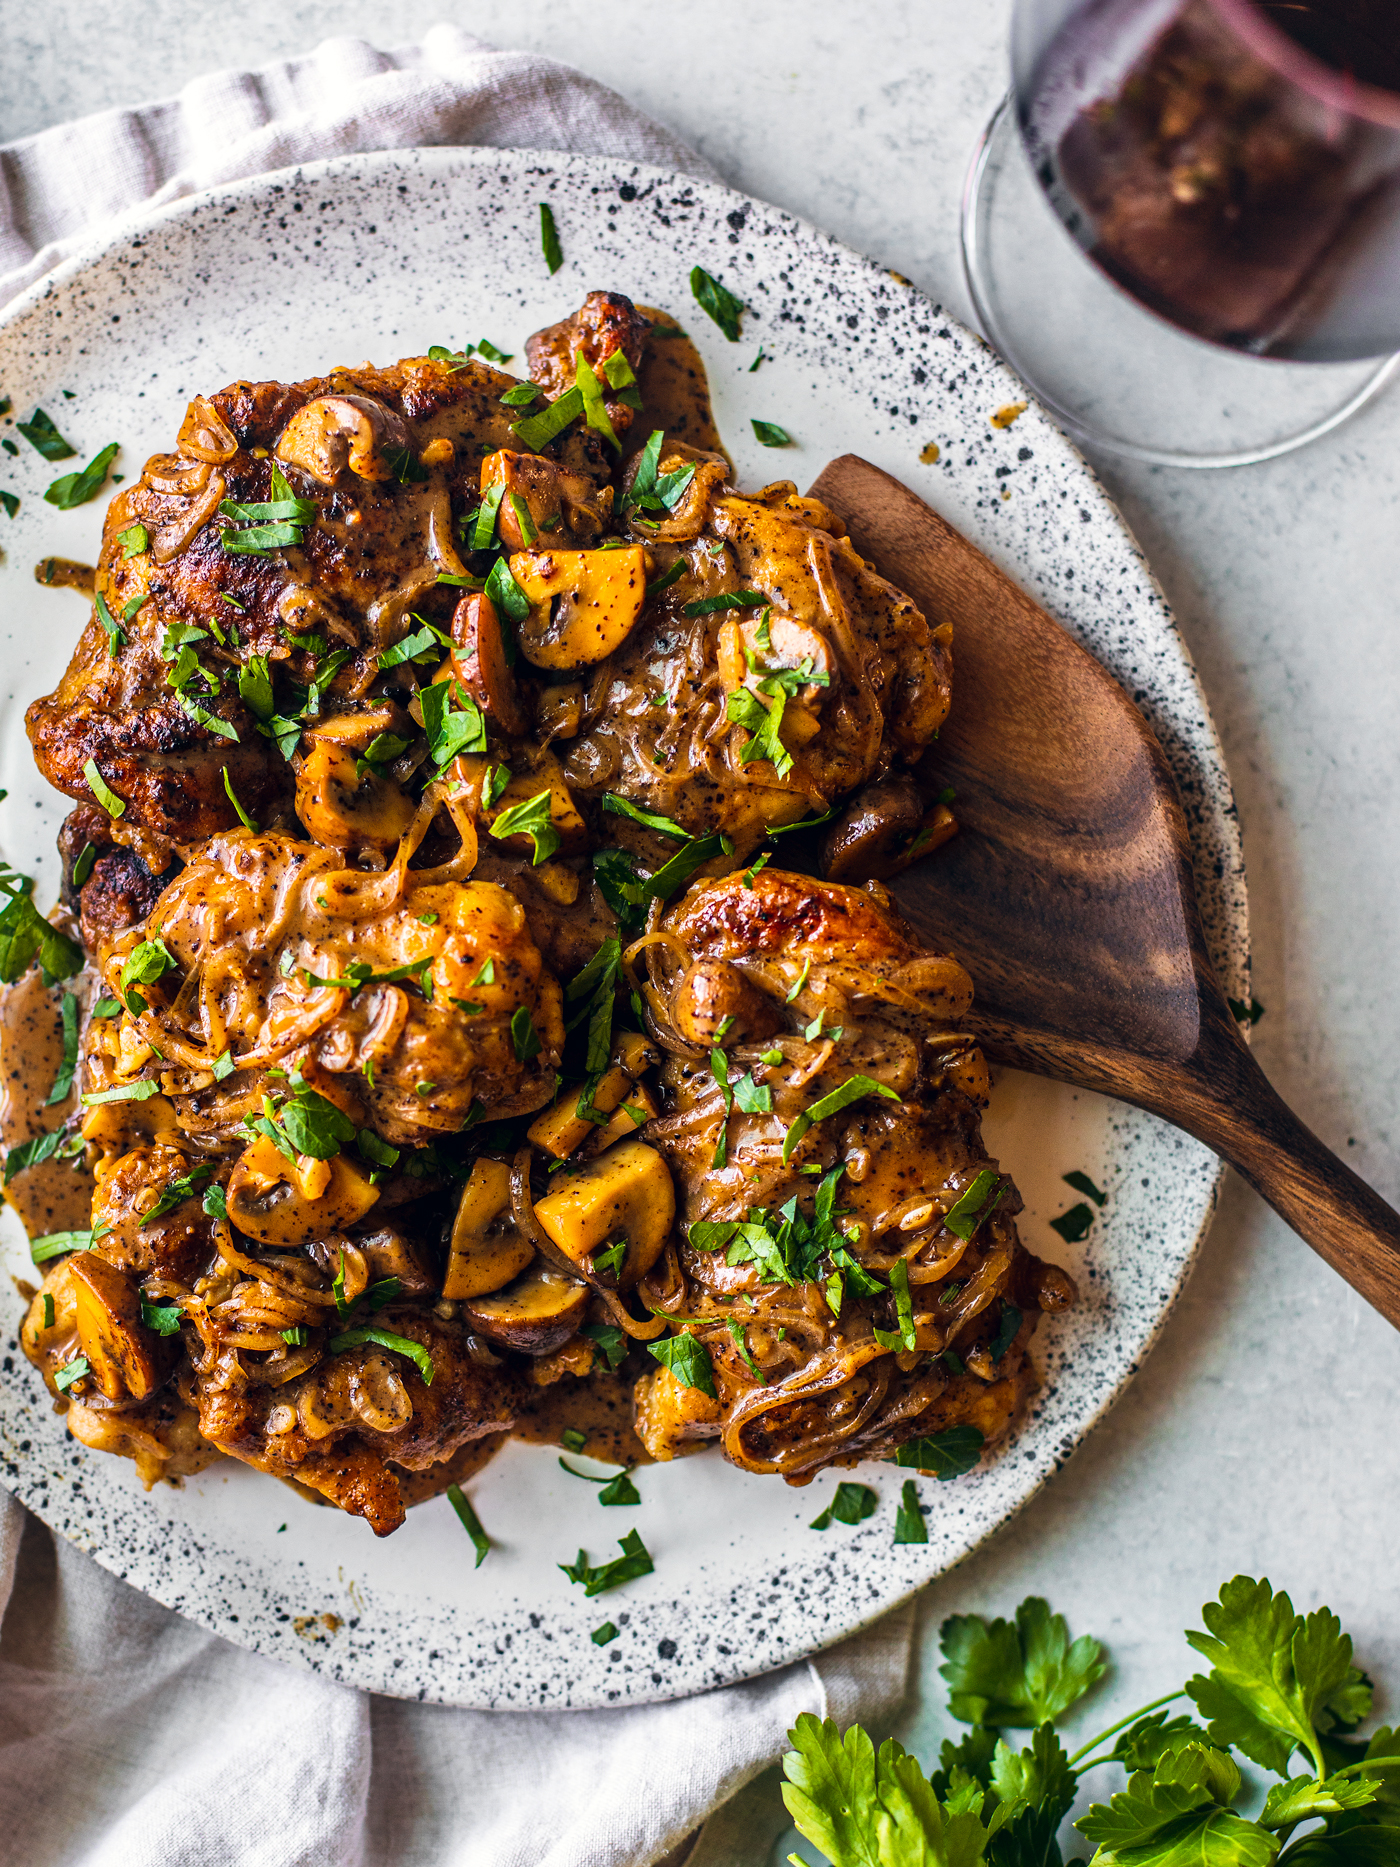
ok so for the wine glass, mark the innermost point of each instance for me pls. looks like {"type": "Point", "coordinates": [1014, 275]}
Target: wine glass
{"type": "Point", "coordinates": [1232, 170]}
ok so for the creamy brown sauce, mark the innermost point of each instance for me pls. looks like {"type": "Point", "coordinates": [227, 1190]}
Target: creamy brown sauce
{"type": "Point", "coordinates": [675, 394]}
{"type": "Point", "coordinates": [66, 574]}
{"type": "Point", "coordinates": [55, 1196]}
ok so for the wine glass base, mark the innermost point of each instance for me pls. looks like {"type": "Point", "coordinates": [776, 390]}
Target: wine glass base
{"type": "Point", "coordinates": [1113, 374]}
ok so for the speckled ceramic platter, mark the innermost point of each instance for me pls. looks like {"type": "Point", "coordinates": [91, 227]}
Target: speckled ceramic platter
{"type": "Point", "coordinates": [381, 256]}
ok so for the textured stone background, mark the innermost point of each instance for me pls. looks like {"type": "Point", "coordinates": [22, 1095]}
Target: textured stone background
{"type": "Point", "coordinates": [1261, 1434]}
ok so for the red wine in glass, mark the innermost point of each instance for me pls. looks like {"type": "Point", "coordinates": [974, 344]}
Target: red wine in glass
{"type": "Point", "coordinates": [1233, 164]}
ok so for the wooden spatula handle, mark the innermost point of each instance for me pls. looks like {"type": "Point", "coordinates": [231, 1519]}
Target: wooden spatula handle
{"type": "Point", "coordinates": [1344, 1220]}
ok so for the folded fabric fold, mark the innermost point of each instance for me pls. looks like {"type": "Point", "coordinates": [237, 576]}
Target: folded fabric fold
{"type": "Point", "coordinates": [67, 186]}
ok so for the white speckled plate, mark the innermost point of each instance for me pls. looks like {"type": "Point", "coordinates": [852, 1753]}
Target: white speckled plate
{"type": "Point", "coordinates": [380, 256]}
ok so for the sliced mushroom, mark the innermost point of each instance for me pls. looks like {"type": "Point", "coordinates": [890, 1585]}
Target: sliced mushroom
{"type": "Point", "coordinates": [534, 1315]}
{"type": "Point", "coordinates": [558, 504]}
{"type": "Point", "coordinates": [583, 604]}
{"type": "Point", "coordinates": [623, 1194]}
{"type": "Point", "coordinates": [343, 806]}
{"type": "Point", "coordinates": [291, 1202]}
{"type": "Point", "coordinates": [480, 664]}
{"type": "Point", "coordinates": [883, 829]}
{"type": "Point", "coordinates": [561, 1129]}
{"type": "Point", "coordinates": [335, 431]}
{"type": "Point", "coordinates": [126, 1358]}
{"type": "Point", "coordinates": [389, 1253]}
{"type": "Point", "coordinates": [713, 990]}
{"type": "Point", "coordinates": [487, 1251]}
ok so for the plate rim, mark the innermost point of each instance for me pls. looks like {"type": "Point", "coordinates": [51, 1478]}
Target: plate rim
{"type": "Point", "coordinates": [1233, 930]}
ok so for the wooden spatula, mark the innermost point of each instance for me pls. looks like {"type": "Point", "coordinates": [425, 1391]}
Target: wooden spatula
{"type": "Point", "coordinates": [1068, 893]}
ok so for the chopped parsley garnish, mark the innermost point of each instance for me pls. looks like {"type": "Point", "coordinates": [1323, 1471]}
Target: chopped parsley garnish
{"type": "Point", "coordinates": [760, 358]}
{"type": "Point", "coordinates": [634, 1561]}
{"type": "Point", "coordinates": [76, 489]}
{"type": "Point", "coordinates": [595, 412]}
{"type": "Point", "coordinates": [471, 1523]}
{"type": "Point", "coordinates": [1009, 1323]}
{"type": "Point", "coordinates": [737, 1331]}
{"type": "Point", "coordinates": [33, 1153]}
{"type": "Point", "coordinates": [134, 540]}
{"type": "Point", "coordinates": [124, 1092]}
{"type": "Point", "coordinates": [732, 599]}
{"type": "Point", "coordinates": [602, 1635]}
{"type": "Point", "coordinates": [902, 1336]}
{"type": "Point", "coordinates": [452, 721]}
{"type": "Point", "coordinates": [852, 1504]}
{"type": "Point", "coordinates": [405, 466]}
{"type": "Point", "coordinates": [215, 1203]}
{"type": "Point", "coordinates": [523, 1035]}
{"type": "Point", "coordinates": [385, 1338]}
{"type": "Point", "coordinates": [116, 635]}
{"type": "Point", "coordinates": [1083, 1184]}
{"type": "Point", "coordinates": [909, 1525]}
{"type": "Point", "coordinates": [63, 1081]}
{"type": "Point", "coordinates": [675, 873]}
{"type": "Point", "coordinates": [223, 1066]}
{"type": "Point", "coordinates": [147, 962]}
{"type": "Point", "coordinates": [763, 718]}
{"type": "Point", "coordinates": [42, 435]}
{"type": "Point", "coordinates": [972, 1207]}
{"type": "Point", "coordinates": [507, 596]}
{"type": "Point", "coordinates": [524, 523]}
{"type": "Point", "coordinates": [82, 868]}
{"type": "Point", "coordinates": [243, 817]}
{"type": "Point", "coordinates": [805, 823]}
{"type": "Point", "coordinates": [654, 491]}
{"type": "Point", "coordinates": [688, 1360]}
{"type": "Point", "coordinates": [572, 1439]}
{"type": "Point", "coordinates": [59, 1244]}
{"type": "Point", "coordinates": [26, 936]}
{"type": "Point", "coordinates": [1249, 1014]}
{"type": "Point", "coordinates": [164, 1318]}
{"type": "Point", "coordinates": [1074, 1225]}
{"type": "Point", "coordinates": [948, 1454]}
{"type": "Point", "coordinates": [269, 524]}
{"type": "Point", "coordinates": [422, 645]}
{"type": "Point", "coordinates": [613, 1258]}
{"type": "Point", "coordinates": [619, 1489]}
{"type": "Point", "coordinates": [664, 582]}
{"type": "Point", "coordinates": [612, 1345]}
{"type": "Point", "coordinates": [522, 395]}
{"type": "Point", "coordinates": [852, 1090]}
{"type": "Point", "coordinates": [531, 818]}
{"type": "Point", "coordinates": [717, 302]}
{"type": "Point", "coordinates": [549, 239]}
{"type": "Point", "coordinates": [769, 434]}
{"type": "Point", "coordinates": [74, 1370]}
{"type": "Point", "coordinates": [10, 501]}
{"type": "Point", "coordinates": [178, 1191]}
{"type": "Point", "coordinates": [537, 431]}
{"type": "Point", "coordinates": [113, 805]}
{"type": "Point", "coordinates": [304, 1122]}
{"type": "Point", "coordinates": [619, 807]}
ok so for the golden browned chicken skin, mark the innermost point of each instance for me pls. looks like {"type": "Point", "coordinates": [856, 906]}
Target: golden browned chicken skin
{"type": "Point", "coordinates": [418, 1081]}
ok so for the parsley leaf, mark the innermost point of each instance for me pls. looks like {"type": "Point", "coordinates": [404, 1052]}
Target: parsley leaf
{"type": "Point", "coordinates": [612, 1343]}
{"type": "Point", "coordinates": [634, 1561]}
{"type": "Point", "coordinates": [63, 1080]}
{"type": "Point", "coordinates": [471, 1523]}
{"type": "Point", "coordinates": [717, 302]}
{"type": "Point", "coordinates": [523, 1035]}
{"type": "Point", "coordinates": [948, 1454]}
{"type": "Point", "coordinates": [1083, 1184]}
{"type": "Point", "coordinates": [532, 818]}
{"type": "Point", "coordinates": [104, 794]}
{"type": "Point", "coordinates": [902, 1336]}
{"type": "Point", "coordinates": [732, 599]}
{"type": "Point", "coordinates": [909, 1525]}
{"type": "Point", "coordinates": [537, 431]}
{"type": "Point", "coordinates": [76, 489]}
{"type": "Point", "coordinates": [971, 1207]}
{"type": "Point", "coordinates": [1016, 1673]}
{"type": "Point", "coordinates": [549, 239]}
{"type": "Point", "coordinates": [1182, 1814]}
{"type": "Point", "coordinates": [1272, 1674]}
{"type": "Point", "coordinates": [26, 936]}
{"type": "Point", "coordinates": [506, 594]}
{"type": "Point", "coordinates": [58, 1244]}
{"type": "Point", "coordinates": [42, 435]}
{"type": "Point", "coordinates": [164, 1318]}
{"type": "Point", "coordinates": [452, 721]}
{"type": "Point", "coordinates": [769, 434]}
{"type": "Point", "coordinates": [852, 1090]}
{"type": "Point", "coordinates": [619, 807]}
{"type": "Point", "coordinates": [851, 1504]}
{"type": "Point", "coordinates": [688, 1360]}
{"type": "Point", "coordinates": [620, 885]}
{"type": "Point", "coordinates": [385, 1338]}
{"type": "Point", "coordinates": [841, 1796]}
{"type": "Point", "coordinates": [1073, 1226]}
{"type": "Point", "coordinates": [675, 873]}
{"type": "Point", "coordinates": [178, 1191]}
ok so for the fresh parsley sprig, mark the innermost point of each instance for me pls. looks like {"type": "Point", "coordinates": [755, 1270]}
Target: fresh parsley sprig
{"type": "Point", "coordinates": [1281, 1686]}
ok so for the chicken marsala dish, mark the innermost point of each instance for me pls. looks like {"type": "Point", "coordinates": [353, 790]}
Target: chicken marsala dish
{"type": "Point", "coordinates": [435, 1043]}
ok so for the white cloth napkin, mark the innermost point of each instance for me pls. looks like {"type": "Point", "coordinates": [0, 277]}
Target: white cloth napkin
{"type": "Point", "coordinates": [130, 1737]}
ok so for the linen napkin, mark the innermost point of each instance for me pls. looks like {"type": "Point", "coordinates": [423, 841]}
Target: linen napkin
{"type": "Point", "coordinates": [128, 1736]}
